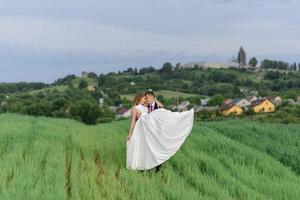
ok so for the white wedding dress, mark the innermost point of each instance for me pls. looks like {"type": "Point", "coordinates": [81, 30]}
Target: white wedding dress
{"type": "Point", "coordinates": [157, 136]}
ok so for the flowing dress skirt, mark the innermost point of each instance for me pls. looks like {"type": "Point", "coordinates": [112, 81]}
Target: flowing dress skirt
{"type": "Point", "coordinates": [156, 137]}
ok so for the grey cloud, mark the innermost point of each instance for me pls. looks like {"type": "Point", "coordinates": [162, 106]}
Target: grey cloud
{"type": "Point", "coordinates": [120, 33]}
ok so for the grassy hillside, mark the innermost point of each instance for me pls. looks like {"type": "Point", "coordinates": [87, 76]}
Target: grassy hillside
{"type": "Point", "coordinates": [62, 88]}
{"type": "Point", "coordinates": [166, 93]}
{"type": "Point", "coordinates": [42, 158]}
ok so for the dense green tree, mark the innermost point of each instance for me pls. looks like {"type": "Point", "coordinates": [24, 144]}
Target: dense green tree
{"type": "Point", "coordinates": [271, 64]}
{"type": "Point", "coordinates": [272, 75]}
{"type": "Point", "coordinates": [86, 111]}
{"type": "Point", "coordinates": [294, 66]}
{"type": "Point", "coordinates": [59, 103]}
{"type": "Point", "coordinates": [147, 70]}
{"type": "Point", "coordinates": [82, 84]}
{"type": "Point", "coordinates": [216, 100]}
{"type": "Point", "coordinates": [253, 62]}
{"type": "Point", "coordinates": [6, 88]}
{"type": "Point", "coordinates": [167, 68]}
{"type": "Point", "coordinates": [129, 70]}
{"type": "Point", "coordinates": [66, 80]}
{"type": "Point", "coordinates": [92, 75]}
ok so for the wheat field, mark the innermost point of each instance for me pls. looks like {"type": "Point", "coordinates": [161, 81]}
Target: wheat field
{"type": "Point", "coordinates": [44, 158]}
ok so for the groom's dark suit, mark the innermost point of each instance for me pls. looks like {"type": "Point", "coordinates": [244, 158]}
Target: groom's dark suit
{"type": "Point", "coordinates": [152, 107]}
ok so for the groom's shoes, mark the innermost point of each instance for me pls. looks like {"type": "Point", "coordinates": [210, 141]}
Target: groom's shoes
{"type": "Point", "coordinates": [157, 169]}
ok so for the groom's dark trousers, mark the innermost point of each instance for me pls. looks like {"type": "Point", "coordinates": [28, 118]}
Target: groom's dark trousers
{"type": "Point", "coordinates": [151, 109]}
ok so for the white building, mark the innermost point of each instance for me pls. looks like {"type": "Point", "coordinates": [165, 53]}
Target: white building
{"type": "Point", "coordinates": [251, 98]}
{"type": "Point", "coordinates": [243, 103]}
{"type": "Point", "coordinates": [211, 64]}
{"type": "Point", "coordinates": [277, 100]}
{"type": "Point", "coordinates": [204, 102]}
{"type": "Point", "coordinates": [123, 113]}
{"type": "Point", "coordinates": [183, 106]}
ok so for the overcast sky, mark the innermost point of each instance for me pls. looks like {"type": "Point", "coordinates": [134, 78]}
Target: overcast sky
{"type": "Point", "coordinates": [42, 40]}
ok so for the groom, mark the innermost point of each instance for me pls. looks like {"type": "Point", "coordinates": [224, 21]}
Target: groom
{"type": "Point", "coordinates": [152, 105]}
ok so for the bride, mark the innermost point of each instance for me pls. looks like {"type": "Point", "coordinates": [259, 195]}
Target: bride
{"type": "Point", "coordinates": [155, 136]}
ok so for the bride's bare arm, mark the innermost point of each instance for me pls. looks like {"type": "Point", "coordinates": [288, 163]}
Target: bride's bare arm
{"type": "Point", "coordinates": [132, 124]}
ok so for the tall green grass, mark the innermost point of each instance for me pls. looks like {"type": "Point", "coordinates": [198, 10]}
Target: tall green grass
{"type": "Point", "coordinates": [43, 158]}
{"type": "Point", "coordinates": [280, 141]}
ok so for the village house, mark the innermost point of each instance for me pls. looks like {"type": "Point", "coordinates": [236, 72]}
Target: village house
{"type": "Point", "coordinates": [276, 100]}
{"type": "Point", "coordinates": [183, 106]}
{"type": "Point", "coordinates": [228, 101]}
{"type": "Point", "coordinates": [243, 103]}
{"type": "Point", "coordinates": [113, 108]}
{"type": "Point", "coordinates": [198, 108]}
{"type": "Point", "coordinates": [251, 98]}
{"type": "Point", "coordinates": [204, 102]}
{"type": "Point", "coordinates": [3, 103]}
{"type": "Point", "coordinates": [172, 107]}
{"type": "Point", "coordinates": [101, 102]}
{"type": "Point", "coordinates": [123, 113]}
{"type": "Point", "coordinates": [231, 108]}
{"type": "Point", "coordinates": [263, 105]}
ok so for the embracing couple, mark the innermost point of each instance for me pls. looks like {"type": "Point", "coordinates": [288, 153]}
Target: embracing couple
{"type": "Point", "coordinates": [156, 133]}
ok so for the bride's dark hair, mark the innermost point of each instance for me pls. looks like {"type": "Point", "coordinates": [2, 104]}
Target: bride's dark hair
{"type": "Point", "coordinates": [137, 98]}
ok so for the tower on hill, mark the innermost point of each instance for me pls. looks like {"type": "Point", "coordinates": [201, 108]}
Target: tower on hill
{"type": "Point", "coordinates": [242, 57]}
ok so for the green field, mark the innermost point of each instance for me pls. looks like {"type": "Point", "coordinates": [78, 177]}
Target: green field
{"type": "Point", "coordinates": [43, 158]}
{"type": "Point", "coordinates": [62, 88]}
